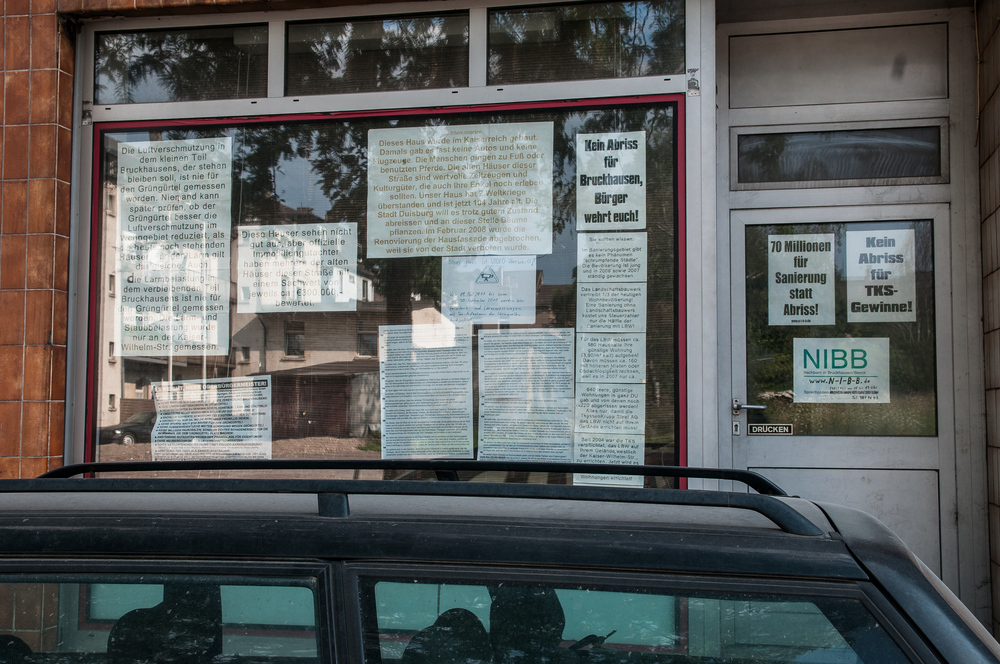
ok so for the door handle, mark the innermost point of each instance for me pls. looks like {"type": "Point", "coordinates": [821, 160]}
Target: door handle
{"type": "Point", "coordinates": [737, 406]}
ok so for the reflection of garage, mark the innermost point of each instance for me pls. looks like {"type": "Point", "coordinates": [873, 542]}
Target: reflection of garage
{"type": "Point", "coordinates": [317, 400]}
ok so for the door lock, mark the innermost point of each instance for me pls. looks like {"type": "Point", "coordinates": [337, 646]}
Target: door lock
{"type": "Point", "coordinates": [737, 406]}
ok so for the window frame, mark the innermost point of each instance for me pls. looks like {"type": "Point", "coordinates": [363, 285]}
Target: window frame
{"type": "Point", "coordinates": [102, 254]}
{"type": "Point", "coordinates": [85, 252]}
{"type": "Point", "coordinates": [323, 578]}
{"type": "Point", "coordinates": [899, 629]}
{"type": "Point", "coordinates": [278, 103]}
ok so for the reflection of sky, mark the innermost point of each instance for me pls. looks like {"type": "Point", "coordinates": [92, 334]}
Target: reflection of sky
{"type": "Point", "coordinates": [298, 186]}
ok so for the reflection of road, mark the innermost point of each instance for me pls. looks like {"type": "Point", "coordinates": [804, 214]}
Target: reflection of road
{"type": "Point", "coordinates": [314, 447]}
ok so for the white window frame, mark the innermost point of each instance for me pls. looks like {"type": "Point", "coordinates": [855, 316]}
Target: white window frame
{"type": "Point", "coordinates": [697, 301]}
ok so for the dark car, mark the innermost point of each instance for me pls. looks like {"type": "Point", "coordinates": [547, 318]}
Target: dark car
{"type": "Point", "coordinates": [132, 430]}
{"type": "Point", "coordinates": [267, 571]}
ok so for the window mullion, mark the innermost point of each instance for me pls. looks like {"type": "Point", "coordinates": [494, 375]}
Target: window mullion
{"type": "Point", "coordinates": [276, 59]}
{"type": "Point", "coordinates": [478, 45]}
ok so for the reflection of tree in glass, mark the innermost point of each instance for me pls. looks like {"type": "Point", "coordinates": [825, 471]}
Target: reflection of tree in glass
{"type": "Point", "coordinates": [760, 157]}
{"type": "Point", "coordinates": [586, 41]}
{"type": "Point", "coordinates": [190, 65]}
{"type": "Point", "coordinates": [392, 54]}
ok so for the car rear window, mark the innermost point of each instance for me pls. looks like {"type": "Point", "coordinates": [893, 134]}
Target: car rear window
{"type": "Point", "coordinates": [431, 621]}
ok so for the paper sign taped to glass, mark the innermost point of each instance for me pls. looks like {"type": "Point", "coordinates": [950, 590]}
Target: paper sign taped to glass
{"type": "Point", "coordinates": [841, 370]}
{"type": "Point", "coordinates": [460, 190]}
{"type": "Point", "coordinates": [172, 251]}
{"type": "Point", "coordinates": [217, 418]}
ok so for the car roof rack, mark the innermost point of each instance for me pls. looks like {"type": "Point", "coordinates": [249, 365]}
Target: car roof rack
{"type": "Point", "coordinates": [444, 469]}
{"type": "Point", "coordinates": [332, 493]}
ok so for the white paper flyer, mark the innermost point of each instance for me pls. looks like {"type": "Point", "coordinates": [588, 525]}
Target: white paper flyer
{"type": "Point", "coordinates": [217, 418]}
{"type": "Point", "coordinates": [425, 374]}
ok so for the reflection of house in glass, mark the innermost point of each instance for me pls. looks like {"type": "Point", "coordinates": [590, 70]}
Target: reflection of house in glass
{"type": "Point", "coordinates": [323, 364]}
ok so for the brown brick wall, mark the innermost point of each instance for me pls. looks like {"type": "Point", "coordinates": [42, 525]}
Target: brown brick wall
{"type": "Point", "coordinates": [36, 104]}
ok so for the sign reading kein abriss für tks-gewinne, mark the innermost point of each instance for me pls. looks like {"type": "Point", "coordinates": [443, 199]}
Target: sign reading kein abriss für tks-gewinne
{"type": "Point", "coordinates": [881, 276]}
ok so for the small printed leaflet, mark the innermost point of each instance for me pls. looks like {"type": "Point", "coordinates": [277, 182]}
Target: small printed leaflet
{"type": "Point", "coordinates": [608, 448]}
{"type": "Point", "coordinates": [488, 290]}
{"type": "Point", "coordinates": [297, 267]}
{"type": "Point", "coordinates": [425, 374]}
{"type": "Point", "coordinates": [800, 285]}
{"type": "Point", "coordinates": [610, 408]}
{"type": "Point", "coordinates": [217, 418]}
{"type": "Point", "coordinates": [611, 257]}
{"type": "Point", "coordinates": [526, 394]}
{"type": "Point", "coordinates": [172, 249]}
{"type": "Point", "coordinates": [611, 181]}
{"type": "Point", "coordinates": [619, 307]}
{"type": "Point", "coordinates": [881, 276]}
{"type": "Point", "coordinates": [460, 190]}
{"type": "Point", "coordinates": [610, 358]}
{"type": "Point", "coordinates": [841, 370]}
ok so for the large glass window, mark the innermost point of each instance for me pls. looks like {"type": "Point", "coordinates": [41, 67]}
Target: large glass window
{"type": "Point", "coordinates": [840, 328]}
{"type": "Point", "coordinates": [424, 621]}
{"type": "Point", "coordinates": [495, 285]}
{"type": "Point", "coordinates": [192, 64]}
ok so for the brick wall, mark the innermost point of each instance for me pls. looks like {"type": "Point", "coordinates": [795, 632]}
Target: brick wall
{"type": "Point", "coordinates": [37, 64]}
{"type": "Point", "coordinates": [988, 20]}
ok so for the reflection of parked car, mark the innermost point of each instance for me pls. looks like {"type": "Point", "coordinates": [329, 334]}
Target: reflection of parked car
{"type": "Point", "coordinates": [135, 429]}
{"type": "Point", "coordinates": [244, 571]}
{"type": "Point", "coordinates": [177, 425]}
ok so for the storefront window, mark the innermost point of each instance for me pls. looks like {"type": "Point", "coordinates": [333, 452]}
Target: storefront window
{"type": "Point", "coordinates": [840, 328]}
{"type": "Point", "coordinates": [192, 64]}
{"type": "Point", "coordinates": [493, 285]}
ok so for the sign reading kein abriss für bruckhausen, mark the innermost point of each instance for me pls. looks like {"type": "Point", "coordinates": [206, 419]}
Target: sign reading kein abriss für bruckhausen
{"type": "Point", "coordinates": [611, 181]}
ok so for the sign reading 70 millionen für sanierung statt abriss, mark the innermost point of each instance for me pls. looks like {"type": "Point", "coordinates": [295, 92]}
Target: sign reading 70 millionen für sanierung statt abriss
{"type": "Point", "coordinates": [172, 249]}
{"type": "Point", "coordinates": [800, 279]}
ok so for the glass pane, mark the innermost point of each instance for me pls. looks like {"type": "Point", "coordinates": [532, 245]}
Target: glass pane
{"type": "Point", "coordinates": [864, 154]}
{"type": "Point", "coordinates": [193, 64]}
{"type": "Point", "coordinates": [402, 53]}
{"type": "Point", "coordinates": [456, 285]}
{"type": "Point", "coordinates": [840, 328]}
{"type": "Point", "coordinates": [162, 619]}
{"type": "Point", "coordinates": [421, 621]}
{"type": "Point", "coordinates": [586, 41]}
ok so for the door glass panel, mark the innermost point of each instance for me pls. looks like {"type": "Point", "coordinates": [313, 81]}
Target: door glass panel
{"type": "Point", "coordinates": [89, 619]}
{"type": "Point", "coordinates": [840, 328]}
{"type": "Point", "coordinates": [192, 64]}
{"type": "Point", "coordinates": [420, 621]}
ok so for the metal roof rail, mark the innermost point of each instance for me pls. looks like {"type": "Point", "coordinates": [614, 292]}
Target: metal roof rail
{"type": "Point", "coordinates": [444, 469]}
{"type": "Point", "coordinates": [333, 494]}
